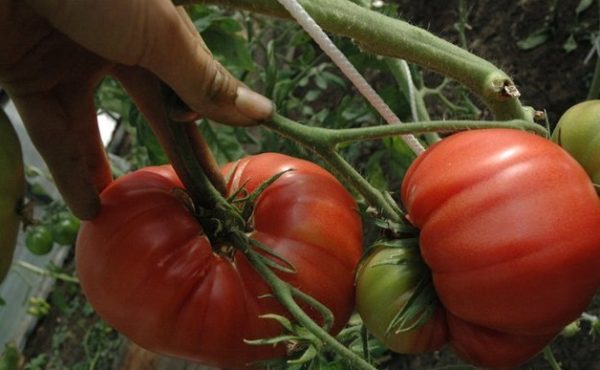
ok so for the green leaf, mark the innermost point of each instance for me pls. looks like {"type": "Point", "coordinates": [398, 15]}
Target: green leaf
{"type": "Point", "coordinates": [10, 357]}
{"type": "Point", "coordinates": [308, 355]}
{"type": "Point", "coordinates": [283, 321]}
{"type": "Point", "coordinates": [225, 141]}
{"type": "Point", "coordinates": [230, 49]}
{"type": "Point", "coordinates": [2, 302]}
{"type": "Point", "coordinates": [570, 44]}
{"type": "Point", "coordinates": [583, 5]}
{"type": "Point", "coordinates": [535, 39]}
{"type": "Point", "coordinates": [146, 139]}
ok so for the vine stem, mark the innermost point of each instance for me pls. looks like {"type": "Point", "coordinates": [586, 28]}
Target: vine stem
{"type": "Point", "coordinates": [283, 292]}
{"type": "Point", "coordinates": [324, 142]}
{"type": "Point", "coordinates": [336, 55]}
{"type": "Point", "coordinates": [401, 72]}
{"type": "Point", "coordinates": [44, 272]}
{"type": "Point", "coordinates": [383, 35]}
{"type": "Point", "coordinates": [549, 356]}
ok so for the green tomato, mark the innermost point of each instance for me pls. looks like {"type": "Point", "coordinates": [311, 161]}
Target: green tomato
{"type": "Point", "coordinates": [386, 282]}
{"type": "Point", "coordinates": [64, 231]}
{"type": "Point", "coordinates": [39, 240]}
{"type": "Point", "coordinates": [578, 132]}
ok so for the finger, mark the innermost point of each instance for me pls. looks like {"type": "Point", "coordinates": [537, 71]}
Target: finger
{"type": "Point", "coordinates": [145, 89]}
{"type": "Point", "coordinates": [157, 35]}
{"type": "Point", "coordinates": [203, 83]}
{"type": "Point", "coordinates": [62, 125]}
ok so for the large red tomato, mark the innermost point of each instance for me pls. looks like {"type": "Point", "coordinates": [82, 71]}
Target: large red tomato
{"type": "Point", "coordinates": [147, 268]}
{"type": "Point", "coordinates": [510, 228]}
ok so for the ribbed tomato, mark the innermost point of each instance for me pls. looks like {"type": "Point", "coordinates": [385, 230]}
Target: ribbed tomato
{"type": "Point", "coordinates": [510, 230]}
{"type": "Point", "coordinates": [147, 268]}
{"type": "Point", "coordinates": [387, 281]}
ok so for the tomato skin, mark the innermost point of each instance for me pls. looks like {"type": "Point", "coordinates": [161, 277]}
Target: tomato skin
{"type": "Point", "coordinates": [509, 228]}
{"type": "Point", "coordinates": [383, 287]}
{"type": "Point", "coordinates": [148, 270]}
{"type": "Point", "coordinates": [490, 348]}
{"type": "Point", "coordinates": [578, 132]}
{"type": "Point", "coordinates": [39, 240]}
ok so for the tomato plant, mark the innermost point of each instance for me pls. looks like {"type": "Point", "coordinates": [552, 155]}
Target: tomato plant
{"type": "Point", "coordinates": [578, 131]}
{"type": "Point", "coordinates": [509, 228]}
{"type": "Point", "coordinates": [387, 280]}
{"type": "Point", "coordinates": [148, 269]}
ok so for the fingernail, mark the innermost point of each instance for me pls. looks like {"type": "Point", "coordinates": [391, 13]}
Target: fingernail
{"type": "Point", "coordinates": [253, 105]}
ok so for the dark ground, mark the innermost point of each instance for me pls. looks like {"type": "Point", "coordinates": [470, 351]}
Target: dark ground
{"type": "Point", "coordinates": [549, 78]}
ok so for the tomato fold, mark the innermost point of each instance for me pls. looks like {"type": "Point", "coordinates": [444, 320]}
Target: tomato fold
{"type": "Point", "coordinates": [147, 268]}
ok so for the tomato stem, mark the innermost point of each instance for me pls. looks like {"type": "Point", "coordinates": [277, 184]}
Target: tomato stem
{"type": "Point", "coordinates": [399, 39]}
{"type": "Point", "coordinates": [184, 138]}
{"type": "Point", "coordinates": [549, 356]}
{"type": "Point", "coordinates": [324, 142]}
{"type": "Point", "coordinates": [285, 294]}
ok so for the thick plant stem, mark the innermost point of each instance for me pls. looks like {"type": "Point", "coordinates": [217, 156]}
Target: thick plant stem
{"type": "Point", "coordinates": [316, 137]}
{"type": "Point", "coordinates": [283, 292]}
{"type": "Point", "coordinates": [418, 108]}
{"type": "Point", "coordinates": [323, 142]}
{"type": "Point", "coordinates": [374, 196]}
{"type": "Point", "coordinates": [387, 36]}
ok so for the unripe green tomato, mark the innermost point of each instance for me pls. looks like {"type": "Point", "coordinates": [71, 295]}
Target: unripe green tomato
{"type": "Point", "coordinates": [64, 231]}
{"type": "Point", "coordinates": [385, 282]}
{"type": "Point", "coordinates": [39, 240]}
{"type": "Point", "coordinates": [578, 132]}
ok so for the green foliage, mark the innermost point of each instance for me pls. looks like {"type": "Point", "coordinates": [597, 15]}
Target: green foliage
{"type": "Point", "coordinates": [10, 358]}
{"type": "Point", "coordinates": [80, 340]}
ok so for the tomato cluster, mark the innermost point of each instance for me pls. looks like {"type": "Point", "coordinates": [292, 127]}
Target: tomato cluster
{"type": "Point", "coordinates": [509, 228]}
{"type": "Point", "coordinates": [508, 254]}
{"type": "Point", "coordinates": [147, 267]}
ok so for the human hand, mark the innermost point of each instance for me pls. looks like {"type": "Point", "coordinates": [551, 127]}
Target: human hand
{"type": "Point", "coordinates": [53, 54]}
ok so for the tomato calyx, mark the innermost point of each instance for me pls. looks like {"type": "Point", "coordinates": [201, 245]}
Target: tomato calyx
{"type": "Point", "coordinates": [228, 228]}
{"type": "Point", "coordinates": [302, 346]}
{"type": "Point", "coordinates": [396, 230]}
{"type": "Point", "coordinates": [423, 300]}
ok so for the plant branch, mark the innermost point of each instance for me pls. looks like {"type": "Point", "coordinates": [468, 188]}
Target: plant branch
{"type": "Point", "coordinates": [549, 356]}
{"type": "Point", "coordinates": [318, 137]}
{"type": "Point", "coordinates": [418, 108]}
{"type": "Point", "coordinates": [45, 272]}
{"type": "Point", "coordinates": [285, 294]}
{"type": "Point", "coordinates": [396, 38]}
{"type": "Point", "coordinates": [324, 141]}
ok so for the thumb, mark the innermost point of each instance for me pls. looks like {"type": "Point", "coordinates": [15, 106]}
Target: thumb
{"type": "Point", "coordinates": [157, 35]}
{"type": "Point", "coordinates": [181, 59]}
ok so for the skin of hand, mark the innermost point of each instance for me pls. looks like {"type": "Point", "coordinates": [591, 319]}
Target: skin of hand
{"type": "Point", "coordinates": [53, 54]}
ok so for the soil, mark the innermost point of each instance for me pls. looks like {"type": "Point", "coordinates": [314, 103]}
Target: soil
{"type": "Point", "coordinates": [548, 77]}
